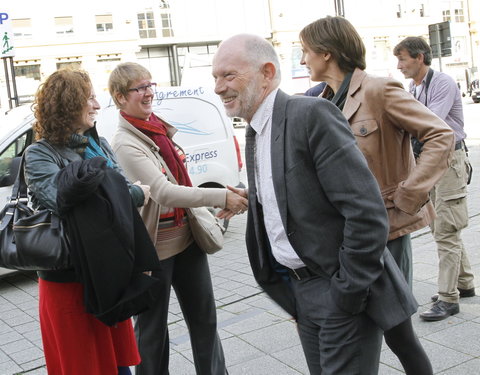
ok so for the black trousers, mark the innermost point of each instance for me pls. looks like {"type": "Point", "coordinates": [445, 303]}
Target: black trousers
{"type": "Point", "coordinates": [189, 275]}
{"type": "Point", "coordinates": [334, 342]}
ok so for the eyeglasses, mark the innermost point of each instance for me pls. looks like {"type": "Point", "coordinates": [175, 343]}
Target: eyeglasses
{"type": "Point", "coordinates": [143, 89]}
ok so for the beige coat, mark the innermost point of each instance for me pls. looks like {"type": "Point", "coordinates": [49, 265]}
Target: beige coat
{"type": "Point", "coordinates": [382, 115]}
{"type": "Point", "coordinates": [139, 157]}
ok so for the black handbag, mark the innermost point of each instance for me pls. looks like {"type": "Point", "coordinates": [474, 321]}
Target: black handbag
{"type": "Point", "coordinates": [31, 240]}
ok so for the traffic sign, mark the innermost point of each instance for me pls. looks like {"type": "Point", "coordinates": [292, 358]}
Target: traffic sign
{"type": "Point", "coordinates": [440, 39]}
{"type": "Point", "coordinates": [6, 36]}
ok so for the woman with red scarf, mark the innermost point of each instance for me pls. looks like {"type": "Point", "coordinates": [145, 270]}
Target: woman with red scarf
{"type": "Point", "coordinates": [144, 147]}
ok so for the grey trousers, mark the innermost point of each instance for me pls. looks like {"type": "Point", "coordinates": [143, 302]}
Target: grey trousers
{"type": "Point", "coordinates": [401, 250]}
{"type": "Point", "coordinates": [334, 342]}
{"type": "Point", "coordinates": [189, 275]}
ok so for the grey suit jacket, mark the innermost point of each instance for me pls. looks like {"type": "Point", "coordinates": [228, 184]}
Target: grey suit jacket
{"type": "Point", "coordinates": [332, 211]}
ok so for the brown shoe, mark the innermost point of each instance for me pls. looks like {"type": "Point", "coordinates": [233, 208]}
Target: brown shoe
{"type": "Point", "coordinates": [464, 293]}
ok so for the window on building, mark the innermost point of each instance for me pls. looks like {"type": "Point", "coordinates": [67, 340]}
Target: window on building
{"type": "Point", "coordinates": [64, 25]}
{"type": "Point", "coordinates": [146, 25]}
{"type": "Point", "coordinates": [69, 64]}
{"type": "Point", "coordinates": [422, 10]}
{"type": "Point", "coordinates": [164, 4]}
{"type": "Point", "coordinates": [446, 15]}
{"type": "Point", "coordinates": [459, 16]}
{"type": "Point", "coordinates": [22, 28]}
{"type": "Point", "coordinates": [381, 49]}
{"type": "Point", "coordinates": [104, 23]}
{"type": "Point", "coordinates": [27, 77]}
{"type": "Point", "coordinates": [167, 29]}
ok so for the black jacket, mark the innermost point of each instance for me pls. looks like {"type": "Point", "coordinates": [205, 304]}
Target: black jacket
{"type": "Point", "coordinates": [110, 247]}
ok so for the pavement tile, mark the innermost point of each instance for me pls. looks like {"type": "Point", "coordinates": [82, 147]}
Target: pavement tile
{"type": "Point", "coordinates": [273, 338]}
{"type": "Point", "coordinates": [27, 355]}
{"type": "Point", "coordinates": [239, 351]}
{"type": "Point", "coordinates": [16, 346]}
{"type": "Point", "coordinates": [24, 329]}
{"type": "Point", "coordinates": [293, 357]}
{"type": "Point", "coordinates": [257, 322]}
{"type": "Point", "coordinates": [5, 305]}
{"type": "Point", "coordinates": [9, 367]}
{"type": "Point", "coordinates": [3, 356]}
{"type": "Point", "coordinates": [256, 366]}
{"type": "Point", "coordinates": [469, 367]}
{"type": "Point", "coordinates": [464, 338]}
{"type": "Point", "coordinates": [181, 365]}
{"type": "Point", "coordinates": [9, 337]}
{"type": "Point", "coordinates": [386, 370]}
{"type": "Point", "coordinates": [34, 366]}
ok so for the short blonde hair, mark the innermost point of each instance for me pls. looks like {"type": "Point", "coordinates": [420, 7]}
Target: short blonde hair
{"type": "Point", "coordinates": [122, 77]}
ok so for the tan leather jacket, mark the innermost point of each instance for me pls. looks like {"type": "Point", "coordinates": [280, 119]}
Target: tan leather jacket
{"type": "Point", "coordinates": [382, 116]}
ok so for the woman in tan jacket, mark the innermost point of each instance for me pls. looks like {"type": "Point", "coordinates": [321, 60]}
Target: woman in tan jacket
{"type": "Point", "coordinates": [144, 147]}
{"type": "Point", "coordinates": [382, 116]}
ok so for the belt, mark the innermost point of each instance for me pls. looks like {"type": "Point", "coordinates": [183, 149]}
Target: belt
{"type": "Point", "coordinates": [458, 145]}
{"type": "Point", "coordinates": [301, 273]}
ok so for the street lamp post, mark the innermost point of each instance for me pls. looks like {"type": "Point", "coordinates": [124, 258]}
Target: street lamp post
{"type": "Point", "coordinates": [339, 8]}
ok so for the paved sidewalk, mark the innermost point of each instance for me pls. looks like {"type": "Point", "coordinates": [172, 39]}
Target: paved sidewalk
{"type": "Point", "coordinates": [257, 336]}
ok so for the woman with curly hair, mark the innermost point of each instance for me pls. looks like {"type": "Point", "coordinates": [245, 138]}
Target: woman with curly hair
{"type": "Point", "coordinates": [74, 341]}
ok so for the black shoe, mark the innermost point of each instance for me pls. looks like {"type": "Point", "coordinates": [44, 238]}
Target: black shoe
{"type": "Point", "coordinates": [440, 310]}
{"type": "Point", "coordinates": [464, 293]}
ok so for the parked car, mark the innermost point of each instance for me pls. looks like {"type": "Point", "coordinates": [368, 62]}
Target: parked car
{"type": "Point", "coordinates": [476, 95]}
{"type": "Point", "coordinates": [204, 131]}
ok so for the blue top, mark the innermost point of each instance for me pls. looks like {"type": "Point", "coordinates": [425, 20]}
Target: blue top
{"type": "Point", "coordinates": [443, 99]}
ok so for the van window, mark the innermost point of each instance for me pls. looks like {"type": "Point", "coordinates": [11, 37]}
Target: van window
{"type": "Point", "coordinates": [7, 172]}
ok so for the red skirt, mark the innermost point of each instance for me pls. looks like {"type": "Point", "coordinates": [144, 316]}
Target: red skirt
{"type": "Point", "coordinates": [75, 342]}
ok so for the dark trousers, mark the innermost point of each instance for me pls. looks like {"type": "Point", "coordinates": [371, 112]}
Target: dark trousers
{"type": "Point", "coordinates": [189, 275]}
{"type": "Point", "coordinates": [334, 342]}
{"type": "Point", "coordinates": [401, 249]}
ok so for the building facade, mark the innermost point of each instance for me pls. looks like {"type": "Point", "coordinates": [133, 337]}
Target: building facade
{"type": "Point", "coordinates": [176, 39]}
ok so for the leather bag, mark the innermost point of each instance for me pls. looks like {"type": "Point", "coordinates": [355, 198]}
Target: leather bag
{"type": "Point", "coordinates": [31, 240]}
{"type": "Point", "coordinates": [206, 229]}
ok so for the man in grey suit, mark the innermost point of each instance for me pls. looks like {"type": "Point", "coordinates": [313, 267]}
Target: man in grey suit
{"type": "Point", "coordinates": [317, 226]}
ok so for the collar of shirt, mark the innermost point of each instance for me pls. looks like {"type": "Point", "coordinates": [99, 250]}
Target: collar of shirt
{"type": "Point", "coordinates": [417, 90]}
{"type": "Point", "coordinates": [263, 113]}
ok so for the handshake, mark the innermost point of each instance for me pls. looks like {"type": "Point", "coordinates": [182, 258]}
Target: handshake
{"type": "Point", "coordinates": [236, 203]}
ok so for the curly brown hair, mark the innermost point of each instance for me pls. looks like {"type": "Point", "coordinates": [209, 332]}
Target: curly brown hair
{"type": "Point", "coordinates": [59, 104]}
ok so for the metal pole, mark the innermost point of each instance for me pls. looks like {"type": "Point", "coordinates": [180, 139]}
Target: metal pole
{"type": "Point", "coordinates": [473, 69]}
{"type": "Point", "coordinates": [176, 68]}
{"type": "Point", "coordinates": [437, 31]}
{"type": "Point", "coordinates": [14, 82]}
{"type": "Point", "coordinates": [339, 8]}
{"type": "Point", "coordinates": [7, 81]}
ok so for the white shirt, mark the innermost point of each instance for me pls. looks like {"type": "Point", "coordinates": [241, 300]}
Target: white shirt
{"type": "Point", "coordinates": [262, 124]}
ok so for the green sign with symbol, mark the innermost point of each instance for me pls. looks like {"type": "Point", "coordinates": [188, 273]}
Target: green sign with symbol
{"type": "Point", "coordinates": [6, 36]}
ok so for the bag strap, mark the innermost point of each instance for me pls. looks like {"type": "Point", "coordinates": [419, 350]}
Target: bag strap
{"type": "Point", "coordinates": [20, 191]}
{"type": "Point", "coordinates": [427, 83]}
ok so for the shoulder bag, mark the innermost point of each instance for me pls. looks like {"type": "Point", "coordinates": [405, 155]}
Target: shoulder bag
{"type": "Point", "coordinates": [206, 230]}
{"type": "Point", "coordinates": [31, 240]}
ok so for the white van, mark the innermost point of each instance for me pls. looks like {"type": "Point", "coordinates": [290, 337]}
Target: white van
{"type": "Point", "coordinates": [204, 132]}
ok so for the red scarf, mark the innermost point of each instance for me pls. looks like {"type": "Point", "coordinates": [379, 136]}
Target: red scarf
{"type": "Point", "coordinates": [156, 130]}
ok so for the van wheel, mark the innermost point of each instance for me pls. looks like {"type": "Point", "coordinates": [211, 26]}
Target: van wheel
{"type": "Point", "coordinates": [223, 222]}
